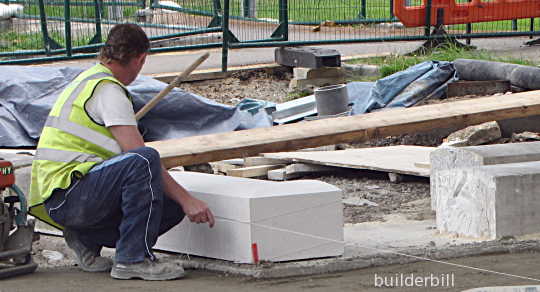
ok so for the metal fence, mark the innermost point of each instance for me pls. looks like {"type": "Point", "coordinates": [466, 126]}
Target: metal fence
{"type": "Point", "coordinates": [54, 29]}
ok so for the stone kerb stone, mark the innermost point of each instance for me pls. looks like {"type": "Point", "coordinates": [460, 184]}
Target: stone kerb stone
{"type": "Point", "coordinates": [444, 159]}
{"type": "Point", "coordinates": [491, 201]}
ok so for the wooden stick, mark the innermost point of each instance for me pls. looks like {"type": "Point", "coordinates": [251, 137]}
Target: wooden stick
{"type": "Point", "coordinates": [181, 77]}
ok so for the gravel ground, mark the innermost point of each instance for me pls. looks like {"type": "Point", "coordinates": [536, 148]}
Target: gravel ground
{"type": "Point", "coordinates": [410, 196]}
{"type": "Point", "coordinates": [246, 84]}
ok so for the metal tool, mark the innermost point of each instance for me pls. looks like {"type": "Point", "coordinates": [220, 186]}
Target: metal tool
{"type": "Point", "coordinates": [181, 77]}
{"type": "Point", "coordinates": [16, 231]}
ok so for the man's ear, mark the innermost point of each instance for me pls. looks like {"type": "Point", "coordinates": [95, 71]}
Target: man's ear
{"type": "Point", "coordinates": [141, 58]}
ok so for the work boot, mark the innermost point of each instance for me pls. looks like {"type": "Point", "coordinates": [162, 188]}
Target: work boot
{"type": "Point", "coordinates": [148, 270]}
{"type": "Point", "coordinates": [89, 260]}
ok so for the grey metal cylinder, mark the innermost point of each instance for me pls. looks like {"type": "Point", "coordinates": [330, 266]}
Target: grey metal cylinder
{"type": "Point", "coordinates": [519, 75]}
{"type": "Point", "coordinates": [332, 100]}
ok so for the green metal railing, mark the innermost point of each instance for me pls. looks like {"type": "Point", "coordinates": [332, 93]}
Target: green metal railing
{"type": "Point", "coordinates": [52, 30]}
{"type": "Point", "coordinates": [55, 30]}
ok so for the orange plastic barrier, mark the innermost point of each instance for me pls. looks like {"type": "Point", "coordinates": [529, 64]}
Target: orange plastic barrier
{"type": "Point", "coordinates": [475, 11]}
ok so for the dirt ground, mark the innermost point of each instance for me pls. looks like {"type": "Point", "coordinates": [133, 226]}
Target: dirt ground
{"type": "Point", "coordinates": [258, 84]}
{"type": "Point", "coordinates": [72, 279]}
{"type": "Point", "coordinates": [410, 197]}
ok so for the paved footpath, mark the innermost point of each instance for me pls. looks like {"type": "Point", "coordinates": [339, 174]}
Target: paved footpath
{"type": "Point", "coordinates": [521, 264]}
{"type": "Point", "coordinates": [178, 61]}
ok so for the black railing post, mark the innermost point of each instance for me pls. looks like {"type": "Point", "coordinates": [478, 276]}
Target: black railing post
{"type": "Point", "coordinates": [67, 27]}
{"type": "Point", "coordinates": [427, 28]}
{"type": "Point", "coordinates": [226, 36]}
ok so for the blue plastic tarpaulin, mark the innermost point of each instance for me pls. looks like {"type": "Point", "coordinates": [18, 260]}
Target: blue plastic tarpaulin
{"type": "Point", "coordinates": [27, 94]}
{"type": "Point", "coordinates": [403, 89]}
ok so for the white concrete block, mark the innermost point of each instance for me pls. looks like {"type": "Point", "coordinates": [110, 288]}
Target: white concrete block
{"type": "Point", "coordinates": [315, 73]}
{"type": "Point", "coordinates": [490, 201]}
{"type": "Point", "coordinates": [287, 220]}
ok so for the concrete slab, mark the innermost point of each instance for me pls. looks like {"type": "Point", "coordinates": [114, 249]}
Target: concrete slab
{"type": "Point", "coordinates": [492, 201]}
{"type": "Point", "coordinates": [396, 159]}
{"type": "Point", "coordinates": [445, 158]}
{"type": "Point", "coordinates": [256, 216]}
{"type": "Point", "coordinates": [396, 241]}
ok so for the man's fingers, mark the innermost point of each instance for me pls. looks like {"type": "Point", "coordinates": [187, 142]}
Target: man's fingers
{"type": "Point", "coordinates": [202, 218]}
{"type": "Point", "coordinates": [211, 219]}
{"type": "Point", "coordinates": [195, 218]}
{"type": "Point", "coordinates": [205, 215]}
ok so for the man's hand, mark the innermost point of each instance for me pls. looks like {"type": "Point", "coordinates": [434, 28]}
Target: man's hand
{"type": "Point", "coordinates": [197, 211]}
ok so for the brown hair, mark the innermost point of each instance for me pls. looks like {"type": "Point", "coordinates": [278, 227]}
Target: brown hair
{"type": "Point", "coordinates": [124, 42]}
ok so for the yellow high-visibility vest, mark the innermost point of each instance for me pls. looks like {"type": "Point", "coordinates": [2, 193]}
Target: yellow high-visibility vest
{"type": "Point", "coordinates": [71, 143]}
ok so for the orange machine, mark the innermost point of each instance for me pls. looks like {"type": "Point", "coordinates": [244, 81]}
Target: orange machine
{"type": "Point", "coordinates": [474, 11]}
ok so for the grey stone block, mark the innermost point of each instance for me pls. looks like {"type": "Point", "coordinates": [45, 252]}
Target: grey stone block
{"type": "Point", "coordinates": [447, 158]}
{"type": "Point", "coordinates": [491, 201]}
{"type": "Point", "coordinates": [308, 57]}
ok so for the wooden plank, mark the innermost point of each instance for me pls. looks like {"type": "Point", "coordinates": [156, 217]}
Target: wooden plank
{"type": "Point", "coordinates": [490, 87]}
{"type": "Point", "coordinates": [235, 161]}
{"type": "Point", "coordinates": [297, 170]}
{"type": "Point", "coordinates": [259, 160]}
{"type": "Point", "coordinates": [252, 171]}
{"type": "Point", "coordinates": [214, 147]}
{"type": "Point", "coordinates": [392, 159]}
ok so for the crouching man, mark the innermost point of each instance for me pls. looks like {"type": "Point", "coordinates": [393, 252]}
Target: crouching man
{"type": "Point", "coordinates": [94, 178]}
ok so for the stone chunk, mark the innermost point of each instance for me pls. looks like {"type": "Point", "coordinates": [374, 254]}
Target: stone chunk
{"type": "Point", "coordinates": [309, 57]}
{"type": "Point", "coordinates": [490, 202]}
{"type": "Point", "coordinates": [475, 135]}
{"type": "Point", "coordinates": [525, 136]}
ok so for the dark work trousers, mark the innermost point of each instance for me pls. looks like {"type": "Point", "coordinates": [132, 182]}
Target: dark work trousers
{"type": "Point", "coordinates": [119, 203]}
